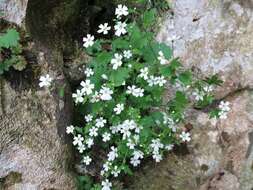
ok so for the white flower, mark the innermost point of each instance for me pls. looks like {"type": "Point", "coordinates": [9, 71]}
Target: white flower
{"type": "Point", "coordinates": [151, 81]}
{"type": "Point", "coordinates": [116, 171]}
{"type": "Point", "coordinates": [208, 88]}
{"type": "Point", "coordinates": [104, 76]}
{"type": "Point", "coordinates": [160, 81]}
{"type": "Point", "coordinates": [224, 109]}
{"type": "Point", "coordinates": [81, 148]}
{"type": "Point", "coordinates": [106, 185]}
{"type": "Point", "coordinates": [100, 122]}
{"type": "Point", "coordinates": [106, 136]}
{"type": "Point", "coordinates": [89, 72]}
{"type": "Point", "coordinates": [105, 93]}
{"type": "Point", "coordinates": [115, 129]}
{"type": "Point", "coordinates": [185, 136]}
{"type": "Point", "coordinates": [137, 92]}
{"type": "Point", "coordinates": [137, 156]}
{"type": "Point", "coordinates": [127, 54]}
{"type": "Point", "coordinates": [89, 142]}
{"type": "Point", "coordinates": [144, 73]}
{"type": "Point", "coordinates": [157, 157]}
{"type": "Point", "coordinates": [70, 129]}
{"type": "Point", "coordinates": [95, 97]}
{"type": "Point", "coordinates": [88, 41]}
{"type": "Point", "coordinates": [118, 109]}
{"type": "Point", "coordinates": [199, 95]}
{"type": "Point", "coordinates": [45, 81]}
{"type": "Point", "coordinates": [78, 140]}
{"type": "Point", "coordinates": [161, 58]}
{"type": "Point", "coordinates": [173, 37]}
{"type": "Point", "coordinates": [120, 28]}
{"type": "Point", "coordinates": [121, 10]}
{"type": "Point", "coordinates": [93, 132]}
{"type": "Point", "coordinates": [106, 167]}
{"type": "Point", "coordinates": [88, 118]}
{"type": "Point", "coordinates": [87, 160]}
{"type": "Point", "coordinates": [116, 61]}
{"type": "Point", "coordinates": [104, 28]}
{"type": "Point", "coordinates": [156, 145]}
{"type": "Point", "coordinates": [112, 155]}
{"type": "Point", "coordinates": [130, 144]}
{"type": "Point", "coordinates": [78, 96]}
{"type": "Point", "coordinates": [169, 147]}
{"type": "Point", "coordinates": [224, 106]}
{"type": "Point", "coordinates": [87, 87]}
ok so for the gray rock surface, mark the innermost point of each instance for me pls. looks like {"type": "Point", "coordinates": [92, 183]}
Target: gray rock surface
{"type": "Point", "coordinates": [14, 10]}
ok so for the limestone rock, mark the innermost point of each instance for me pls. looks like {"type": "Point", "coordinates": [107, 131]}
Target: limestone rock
{"type": "Point", "coordinates": [14, 10]}
{"type": "Point", "coordinates": [213, 37]}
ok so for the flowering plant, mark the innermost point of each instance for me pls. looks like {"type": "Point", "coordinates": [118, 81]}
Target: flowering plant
{"type": "Point", "coordinates": [122, 97]}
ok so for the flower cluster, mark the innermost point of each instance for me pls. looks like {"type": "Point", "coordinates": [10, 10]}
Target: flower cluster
{"type": "Point", "coordinates": [121, 87]}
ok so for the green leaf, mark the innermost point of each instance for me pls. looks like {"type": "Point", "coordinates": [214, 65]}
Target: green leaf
{"type": "Point", "coordinates": [10, 39]}
{"type": "Point", "coordinates": [120, 44]}
{"type": "Point", "coordinates": [149, 18]}
{"type": "Point", "coordinates": [185, 77]}
{"type": "Point", "coordinates": [119, 76]}
{"type": "Point", "coordinates": [166, 50]}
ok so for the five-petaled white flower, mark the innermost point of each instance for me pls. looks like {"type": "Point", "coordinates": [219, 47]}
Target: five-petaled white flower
{"type": "Point", "coordinates": [120, 28]}
{"type": "Point", "coordinates": [119, 108]}
{"type": "Point", "coordinates": [106, 136]}
{"type": "Point", "coordinates": [70, 129]}
{"type": "Point", "coordinates": [78, 96]}
{"type": "Point", "coordinates": [144, 73]}
{"type": "Point", "coordinates": [106, 185]}
{"type": "Point", "coordinates": [93, 132]}
{"type": "Point", "coordinates": [87, 160]}
{"type": "Point", "coordinates": [45, 81]}
{"type": "Point", "coordinates": [224, 109]}
{"type": "Point", "coordinates": [113, 154]}
{"type": "Point", "coordinates": [137, 92]}
{"type": "Point", "coordinates": [88, 118]}
{"type": "Point", "coordinates": [89, 72]}
{"type": "Point", "coordinates": [116, 61]}
{"type": "Point", "coordinates": [116, 171]}
{"type": "Point", "coordinates": [186, 137]}
{"type": "Point", "coordinates": [89, 142]}
{"type": "Point", "coordinates": [105, 93]}
{"type": "Point", "coordinates": [104, 28]}
{"type": "Point", "coordinates": [88, 40]}
{"type": "Point", "coordinates": [87, 87]}
{"type": "Point", "coordinates": [81, 148]}
{"type": "Point", "coordinates": [121, 10]}
{"type": "Point", "coordinates": [127, 54]}
{"type": "Point", "coordinates": [162, 58]}
{"type": "Point", "coordinates": [78, 140]}
{"type": "Point", "coordinates": [100, 122]}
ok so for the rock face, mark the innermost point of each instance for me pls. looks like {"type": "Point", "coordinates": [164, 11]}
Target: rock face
{"type": "Point", "coordinates": [211, 37]}
{"type": "Point", "coordinates": [34, 153]}
{"type": "Point", "coordinates": [214, 37]}
{"type": "Point", "coordinates": [14, 10]}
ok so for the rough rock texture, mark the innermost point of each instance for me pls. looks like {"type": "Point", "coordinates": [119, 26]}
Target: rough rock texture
{"type": "Point", "coordinates": [32, 133]}
{"type": "Point", "coordinates": [34, 152]}
{"type": "Point", "coordinates": [214, 37]}
{"type": "Point", "coordinates": [14, 10]}
{"type": "Point", "coordinates": [211, 37]}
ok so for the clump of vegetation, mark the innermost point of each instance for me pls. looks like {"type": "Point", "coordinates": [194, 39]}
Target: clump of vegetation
{"type": "Point", "coordinates": [10, 51]}
{"type": "Point", "coordinates": [121, 98]}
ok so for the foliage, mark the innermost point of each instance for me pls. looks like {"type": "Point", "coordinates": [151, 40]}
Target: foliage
{"type": "Point", "coordinates": [122, 99]}
{"type": "Point", "coordinates": [10, 51]}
